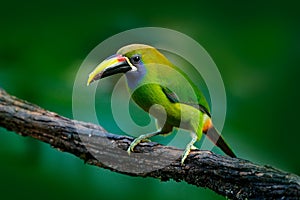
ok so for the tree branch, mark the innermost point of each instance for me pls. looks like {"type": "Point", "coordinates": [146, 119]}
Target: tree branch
{"type": "Point", "coordinates": [231, 177]}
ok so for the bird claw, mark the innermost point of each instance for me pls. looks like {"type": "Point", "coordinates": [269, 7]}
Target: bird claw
{"type": "Point", "coordinates": [133, 144]}
{"type": "Point", "coordinates": [185, 154]}
{"type": "Point", "coordinates": [188, 148]}
{"type": "Point", "coordinates": [129, 150]}
{"type": "Point", "coordinates": [141, 138]}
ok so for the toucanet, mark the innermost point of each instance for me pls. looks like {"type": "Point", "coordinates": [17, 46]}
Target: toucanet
{"type": "Point", "coordinates": [153, 80]}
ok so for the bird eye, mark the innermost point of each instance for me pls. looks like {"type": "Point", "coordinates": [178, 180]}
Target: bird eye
{"type": "Point", "coordinates": [136, 59]}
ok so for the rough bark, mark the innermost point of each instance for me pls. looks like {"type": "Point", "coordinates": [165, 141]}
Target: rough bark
{"type": "Point", "coordinates": [231, 177]}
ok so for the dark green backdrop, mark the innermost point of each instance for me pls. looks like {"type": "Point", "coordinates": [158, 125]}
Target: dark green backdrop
{"type": "Point", "coordinates": [42, 44]}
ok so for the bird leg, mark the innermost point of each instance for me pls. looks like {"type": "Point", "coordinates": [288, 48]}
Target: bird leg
{"type": "Point", "coordinates": [141, 138]}
{"type": "Point", "coordinates": [166, 129]}
{"type": "Point", "coordinates": [189, 146]}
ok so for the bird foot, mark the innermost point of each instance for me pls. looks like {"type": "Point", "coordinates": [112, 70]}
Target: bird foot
{"type": "Point", "coordinates": [185, 154]}
{"type": "Point", "coordinates": [190, 146]}
{"type": "Point", "coordinates": [141, 138]}
{"type": "Point", "coordinates": [131, 147]}
{"type": "Point", "coordinates": [135, 142]}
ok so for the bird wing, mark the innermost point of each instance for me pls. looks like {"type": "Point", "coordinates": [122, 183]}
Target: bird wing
{"type": "Point", "coordinates": [173, 97]}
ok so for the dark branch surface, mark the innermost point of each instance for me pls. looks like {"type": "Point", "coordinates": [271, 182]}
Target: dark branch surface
{"type": "Point", "coordinates": [231, 177]}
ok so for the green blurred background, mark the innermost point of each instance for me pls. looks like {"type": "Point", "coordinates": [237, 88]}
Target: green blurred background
{"type": "Point", "coordinates": [42, 44]}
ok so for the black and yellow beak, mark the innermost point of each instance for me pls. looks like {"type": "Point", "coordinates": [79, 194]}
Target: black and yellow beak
{"type": "Point", "coordinates": [112, 65]}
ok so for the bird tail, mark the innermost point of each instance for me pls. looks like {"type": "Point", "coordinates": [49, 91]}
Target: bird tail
{"type": "Point", "coordinates": [219, 141]}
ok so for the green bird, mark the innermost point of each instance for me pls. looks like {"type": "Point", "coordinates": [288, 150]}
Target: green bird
{"type": "Point", "coordinates": [162, 89]}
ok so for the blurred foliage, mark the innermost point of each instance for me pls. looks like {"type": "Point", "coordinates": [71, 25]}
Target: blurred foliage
{"type": "Point", "coordinates": [255, 44]}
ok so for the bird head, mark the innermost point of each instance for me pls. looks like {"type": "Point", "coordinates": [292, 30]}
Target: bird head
{"type": "Point", "coordinates": [129, 59]}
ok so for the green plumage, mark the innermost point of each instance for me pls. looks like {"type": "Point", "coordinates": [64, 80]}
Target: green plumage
{"type": "Point", "coordinates": [153, 80]}
{"type": "Point", "coordinates": [161, 70]}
